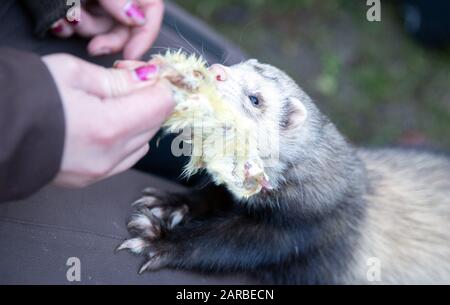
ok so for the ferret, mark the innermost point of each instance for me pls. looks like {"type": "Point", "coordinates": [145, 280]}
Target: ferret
{"type": "Point", "coordinates": [335, 214]}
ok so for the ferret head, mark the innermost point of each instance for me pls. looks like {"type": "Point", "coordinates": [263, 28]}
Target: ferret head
{"type": "Point", "coordinates": [284, 117]}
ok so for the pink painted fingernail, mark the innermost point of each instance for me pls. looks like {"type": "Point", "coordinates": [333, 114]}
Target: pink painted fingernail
{"type": "Point", "coordinates": [133, 11]}
{"type": "Point", "coordinates": [73, 22]}
{"type": "Point", "coordinates": [57, 27]}
{"type": "Point", "coordinates": [145, 73]}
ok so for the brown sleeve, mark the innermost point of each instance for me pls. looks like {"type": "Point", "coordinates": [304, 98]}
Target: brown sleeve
{"type": "Point", "coordinates": [32, 125]}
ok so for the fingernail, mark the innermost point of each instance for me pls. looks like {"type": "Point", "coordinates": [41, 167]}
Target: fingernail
{"type": "Point", "coordinates": [146, 72]}
{"type": "Point", "coordinates": [133, 11]}
{"type": "Point", "coordinates": [57, 27]}
{"type": "Point", "coordinates": [73, 22]}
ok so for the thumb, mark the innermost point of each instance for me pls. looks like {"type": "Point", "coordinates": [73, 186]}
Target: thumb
{"type": "Point", "coordinates": [107, 83]}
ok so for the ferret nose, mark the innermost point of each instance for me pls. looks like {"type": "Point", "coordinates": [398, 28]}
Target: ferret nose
{"type": "Point", "coordinates": [219, 72]}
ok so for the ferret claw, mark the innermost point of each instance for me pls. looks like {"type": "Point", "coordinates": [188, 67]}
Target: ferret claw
{"type": "Point", "coordinates": [145, 201]}
{"type": "Point", "coordinates": [135, 245]}
{"type": "Point", "coordinates": [154, 263]}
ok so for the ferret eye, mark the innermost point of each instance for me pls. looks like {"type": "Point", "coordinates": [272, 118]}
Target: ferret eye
{"type": "Point", "coordinates": [254, 100]}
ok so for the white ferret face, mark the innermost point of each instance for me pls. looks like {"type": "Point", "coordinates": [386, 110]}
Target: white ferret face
{"type": "Point", "coordinates": [276, 105]}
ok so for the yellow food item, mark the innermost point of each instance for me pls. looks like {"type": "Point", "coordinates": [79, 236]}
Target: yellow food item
{"type": "Point", "coordinates": [222, 138]}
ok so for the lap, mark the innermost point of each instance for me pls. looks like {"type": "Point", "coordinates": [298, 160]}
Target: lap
{"type": "Point", "coordinates": [40, 234]}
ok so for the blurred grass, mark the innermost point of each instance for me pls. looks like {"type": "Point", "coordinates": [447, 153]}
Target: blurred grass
{"type": "Point", "coordinates": [378, 85]}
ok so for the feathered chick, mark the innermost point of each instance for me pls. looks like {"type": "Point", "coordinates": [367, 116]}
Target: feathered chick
{"type": "Point", "coordinates": [223, 141]}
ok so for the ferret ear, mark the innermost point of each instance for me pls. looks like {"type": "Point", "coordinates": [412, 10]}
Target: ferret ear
{"type": "Point", "coordinates": [295, 114]}
{"type": "Point", "coordinates": [252, 61]}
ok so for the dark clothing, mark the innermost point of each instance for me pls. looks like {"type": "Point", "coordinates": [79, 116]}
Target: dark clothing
{"type": "Point", "coordinates": [31, 120]}
{"type": "Point", "coordinates": [39, 234]}
{"type": "Point", "coordinates": [45, 13]}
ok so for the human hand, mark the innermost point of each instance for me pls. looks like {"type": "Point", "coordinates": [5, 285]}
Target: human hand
{"type": "Point", "coordinates": [110, 114]}
{"type": "Point", "coordinates": [130, 26]}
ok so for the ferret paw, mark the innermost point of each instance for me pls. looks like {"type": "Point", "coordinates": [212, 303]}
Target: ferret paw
{"type": "Point", "coordinates": [157, 213]}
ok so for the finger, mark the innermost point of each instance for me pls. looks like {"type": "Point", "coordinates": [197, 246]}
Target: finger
{"type": "Point", "coordinates": [128, 64]}
{"type": "Point", "coordinates": [139, 139]}
{"type": "Point", "coordinates": [133, 64]}
{"type": "Point", "coordinates": [111, 42]}
{"type": "Point", "coordinates": [143, 37]}
{"type": "Point", "coordinates": [90, 25]}
{"type": "Point", "coordinates": [143, 110]}
{"type": "Point", "coordinates": [62, 29]}
{"type": "Point", "coordinates": [109, 83]}
{"type": "Point", "coordinates": [129, 161]}
{"type": "Point", "coordinates": [127, 12]}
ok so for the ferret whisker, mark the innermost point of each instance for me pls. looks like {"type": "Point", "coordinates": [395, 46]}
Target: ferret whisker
{"type": "Point", "coordinates": [185, 40]}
